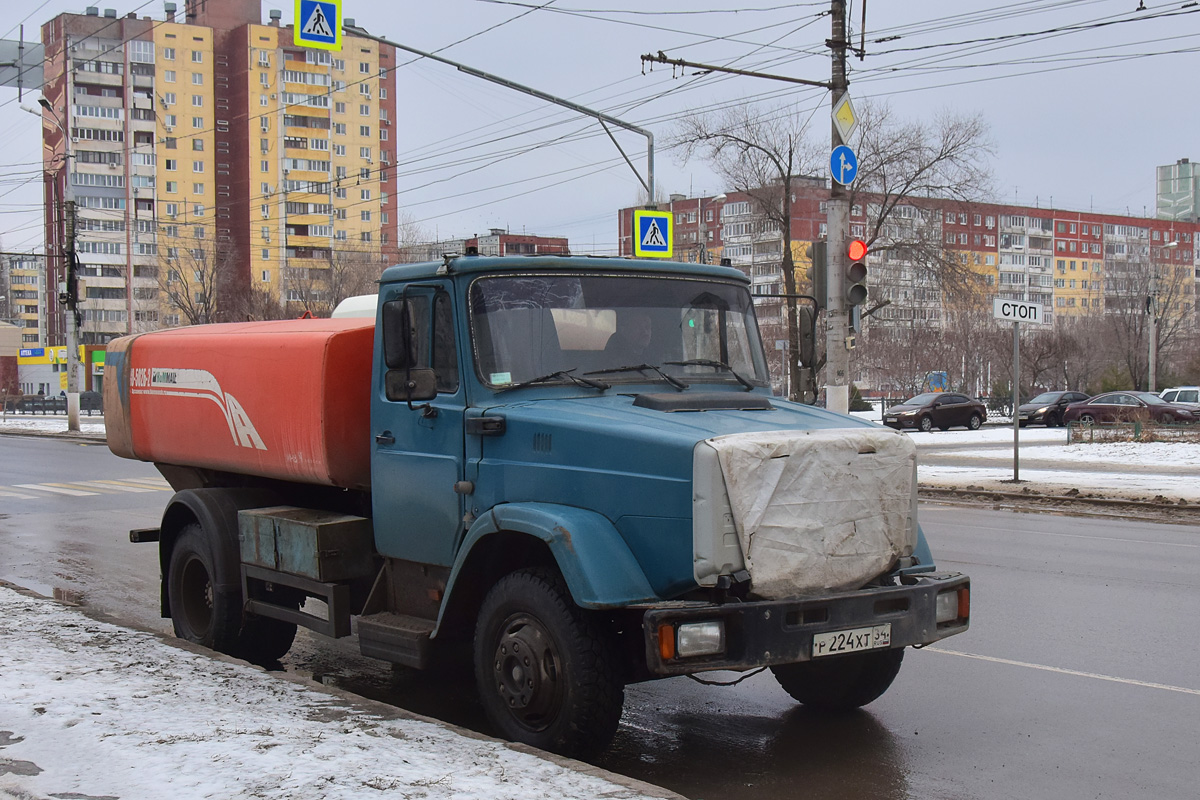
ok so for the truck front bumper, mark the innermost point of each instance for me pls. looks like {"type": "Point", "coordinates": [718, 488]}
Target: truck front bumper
{"type": "Point", "coordinates": [762, 633]}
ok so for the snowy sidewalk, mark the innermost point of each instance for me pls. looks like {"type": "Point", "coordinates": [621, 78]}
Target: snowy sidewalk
{"type": "Point", "coordinates": [90, 709]}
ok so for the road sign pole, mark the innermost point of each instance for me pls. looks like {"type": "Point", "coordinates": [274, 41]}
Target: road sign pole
{"type": "Point", "coordinates": [1016, 402]}
{"type": "Point", "coordinates": [837, 318]}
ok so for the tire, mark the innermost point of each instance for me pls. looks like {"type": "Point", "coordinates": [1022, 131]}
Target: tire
{"type": "Point", "coordinates": [201, 611]}
{"type": "Point", "coordinates": [975, 422]}
{"type": "Point", "coordinates": [1054, 421]}
{"type": "Point", "coordinates": [1087, 419]}
{"type": "Point", "coordinates": [264, 641]}
{"type": "Point", "coordinates": [204, 613]}
{"type": "Point", "coordinates": [840, 683]}
{"type": "Point", "coordinates": [925, 424]}
{"type": "Point", "coordinates": [570, 701]}
{"type": "Point", "coordinates": [1165, 419]}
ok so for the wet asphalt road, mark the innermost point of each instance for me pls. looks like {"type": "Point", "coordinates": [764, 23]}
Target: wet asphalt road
{"type": "Point", "coordinates": [1078, 678]}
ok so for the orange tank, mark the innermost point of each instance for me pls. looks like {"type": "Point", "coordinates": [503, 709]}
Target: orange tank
{"type": "Point", "coordinates": [287, 399]}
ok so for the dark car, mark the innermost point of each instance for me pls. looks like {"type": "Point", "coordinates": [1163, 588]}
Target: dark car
{"type": "Point", "coordinates": [1126, 407]}
{"type": "Point", "coordinates": [942, 410]}
{"type": "Point", "coordinates": [1047, 408]}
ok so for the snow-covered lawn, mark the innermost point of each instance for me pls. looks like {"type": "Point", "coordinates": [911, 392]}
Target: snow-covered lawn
{"type": "Point", "coordinates": [91, 709]}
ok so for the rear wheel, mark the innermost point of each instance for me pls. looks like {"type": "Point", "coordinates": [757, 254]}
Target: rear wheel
{"type": "Point", "coordinates": [206, 612]}
{"type": "Point", "coordinates": [975, 422]}
{"type": "Point", "coordinates": [203, 611]}
{"type": "Point", "coordinates": [926, 424]}
{"type": "Point", "coordinates": [547, 674]}
{"type": "Point", "coordinates": [840, 683]}
{"type": "Point", "coordinates": [1087, 419]}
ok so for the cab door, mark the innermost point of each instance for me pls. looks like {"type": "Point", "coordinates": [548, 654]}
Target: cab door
{"type": "Point", "coordinates": [417, 452]}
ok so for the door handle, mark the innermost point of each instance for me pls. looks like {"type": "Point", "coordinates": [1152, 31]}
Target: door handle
{"type": "Point", "coordinates": [385, 438]}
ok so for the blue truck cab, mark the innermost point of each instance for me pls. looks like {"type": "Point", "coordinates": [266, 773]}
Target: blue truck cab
{"type": "Point", "coordinates": [580, 476]}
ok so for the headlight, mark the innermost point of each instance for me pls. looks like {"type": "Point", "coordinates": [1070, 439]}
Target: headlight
{"type": "Point", "coordinates": [700, 639]}
{"type": "Point", "coordinates": [1042, 410]}
{"type": "Point", "coordinates": [953, 605]}
{"type": "Point", "coordinates": [905, 413]}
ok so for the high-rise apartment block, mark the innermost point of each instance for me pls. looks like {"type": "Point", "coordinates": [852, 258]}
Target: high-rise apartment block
{"type": "Point", "coordinates": [213, 165]}
{"type": "Point", "coordinates": [1178, 191]}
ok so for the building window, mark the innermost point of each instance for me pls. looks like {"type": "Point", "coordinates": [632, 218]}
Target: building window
{"type": "Point", "coordinates": [365, 216]}
{"type": "Point", "coordinates": [364, 68]}
{"type": "Point", "coordinates": [197, 57]}
{"type": "Point", "coordinates": [364, 110]}
{"type": "Point", "coordinates": [168, 53]}
{"type": "Point", "coordinates": [197, 188]}
{"type": "Point", "coordinates": [339, 108]}
{"type": "Point", "coordinates": [266, 276]}
{"type": "Point", "coordinates": [364, 194]}
{"type": "Point", "coordinates": [172, 187]}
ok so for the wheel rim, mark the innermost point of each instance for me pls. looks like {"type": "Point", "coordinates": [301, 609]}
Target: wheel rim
{"type": "Point", "coordinates": [196, 592]}
{"type": "Point", "coordinates": [926, 424]}
{"type": "Point", "coordinates": [1087, 419]}
{"type": "Point", "coordinates": [527, 670]}
{"type": "Point", "coordinates": [974, 423]}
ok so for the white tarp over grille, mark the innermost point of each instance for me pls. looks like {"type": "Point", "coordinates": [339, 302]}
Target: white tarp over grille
{"type": "Point", "coordinates": [819, 510]}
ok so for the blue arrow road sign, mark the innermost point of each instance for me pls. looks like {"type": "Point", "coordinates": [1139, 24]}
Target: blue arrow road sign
{"type": "Point", "coordinates": [843, 164]}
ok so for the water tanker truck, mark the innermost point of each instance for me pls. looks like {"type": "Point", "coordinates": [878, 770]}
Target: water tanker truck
{"type": "Point", "coordinates": [571, 471]}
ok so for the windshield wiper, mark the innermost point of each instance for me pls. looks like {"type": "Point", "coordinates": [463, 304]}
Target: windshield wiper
{"type": "Point", "coordinates": [678, 384]}
{"type": "Point", "coordinates": [561, 374]}
{"type": "Point", "coordinates": [708, 362]}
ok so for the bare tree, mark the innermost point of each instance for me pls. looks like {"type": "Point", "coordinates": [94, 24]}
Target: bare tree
{"type": "Point", "coordinates": [925, 165]}
{"type": "Point", "coordinates": [1141, 281]}
{"type": "Point", "coordinates": [190, 278]}
{"type": "Point", "coordinates": [760, 153]}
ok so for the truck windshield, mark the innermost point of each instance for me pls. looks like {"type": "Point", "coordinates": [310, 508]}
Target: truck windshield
{"type": "Point", "coordinates": [536, 325]}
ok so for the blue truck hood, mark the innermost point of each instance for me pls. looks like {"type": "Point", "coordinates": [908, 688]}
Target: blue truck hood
{"type": "Point", "coordinates": [622, 457]}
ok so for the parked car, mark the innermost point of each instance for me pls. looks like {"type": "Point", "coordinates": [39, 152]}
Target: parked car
{"type": "Point", "coordinates": [1127, 407]}
{"type": "Point", "coordinates": [942, 410]}
{"type": "Point", "coordinates": [1186, 396]}
{"type": "Point", "coordinates": [1047, 408]}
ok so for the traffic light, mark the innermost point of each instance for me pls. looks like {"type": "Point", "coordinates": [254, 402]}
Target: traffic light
{"type": "Point", "coordinates": [856, 272]}
{"type": "Point", "coordinates": [818, 272]}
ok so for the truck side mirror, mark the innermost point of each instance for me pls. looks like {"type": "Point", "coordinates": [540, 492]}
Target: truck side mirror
{"type": "Point", "coordinates": [417, 383]}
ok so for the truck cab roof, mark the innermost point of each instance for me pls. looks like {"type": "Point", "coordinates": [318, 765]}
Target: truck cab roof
{"type": "Point", "coordinates": [483, 264]}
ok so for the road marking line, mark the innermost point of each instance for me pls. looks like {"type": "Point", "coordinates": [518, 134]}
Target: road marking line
{"type": "Point", "coordinates": [50, 487]}
{"type": "Point", "coordinates": [160, 483]}
{"type": "Point", "coordinates": [17, 495]}
{"type": "Point", "coordinates": [117, 485]}
{"type": "Point", "coordinates": [1060, 670]}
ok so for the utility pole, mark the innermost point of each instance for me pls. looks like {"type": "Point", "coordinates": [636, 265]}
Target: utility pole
{"type": "Point", "coordinates": [70, 298]}
{"type": "Point", "coordinates": [837, 317]}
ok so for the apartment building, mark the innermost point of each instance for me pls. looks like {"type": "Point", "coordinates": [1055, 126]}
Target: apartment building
{"type": "Point", "coordinates": [23, 296]}
{"type": "Point", "coordinates": [210, 161]}
{"type": "Point", "coordinates": [1071, 263]}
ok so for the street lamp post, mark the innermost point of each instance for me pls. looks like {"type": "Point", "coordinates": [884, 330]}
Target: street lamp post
{"type": "Point", "coordinates": [701, 228]}
{"type": "Point", "coordinates": [1152, 310]}
{"type": "Point", "coordinates": [68, 255]}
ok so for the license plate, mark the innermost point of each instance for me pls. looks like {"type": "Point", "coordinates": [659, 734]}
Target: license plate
{"type": "Point", "coordinates": [889, 419]}
{"type": "Point", "coordinates": [1023, 415]}
{"type": "Point", "coordinates": [853, 641]}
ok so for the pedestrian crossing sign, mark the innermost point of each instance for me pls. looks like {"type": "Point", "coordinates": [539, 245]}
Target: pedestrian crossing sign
{"type": "Point", "coordinates": [652, 234]}
{"type": "Point", "coordinates": [318, 24]}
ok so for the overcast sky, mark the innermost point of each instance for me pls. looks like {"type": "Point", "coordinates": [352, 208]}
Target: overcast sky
{"type": "Point", "coordinates": [1080, 113]}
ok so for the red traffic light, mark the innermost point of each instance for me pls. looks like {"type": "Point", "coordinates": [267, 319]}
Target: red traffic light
{"type": "Point", "coordinates": [857, 250]}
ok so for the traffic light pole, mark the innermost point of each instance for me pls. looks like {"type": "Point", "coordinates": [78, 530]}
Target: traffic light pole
{"type": "Point", "coordinates": [837, 316]}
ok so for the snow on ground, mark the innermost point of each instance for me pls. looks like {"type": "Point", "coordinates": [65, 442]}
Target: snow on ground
{"type": "Point", "coordinates": [91, 709]}
{"type": "Point", "coordinates": [29, 423]}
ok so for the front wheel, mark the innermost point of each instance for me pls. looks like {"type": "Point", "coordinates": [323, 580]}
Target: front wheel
{"type": "Point", "coordinates": [840, 683]}
{"type": "Point", "coordinates": [547, 674]}
{"type": "Point", "coordinates": [975, 422]}
{"type": "Point", "coordinates": [926, 424]}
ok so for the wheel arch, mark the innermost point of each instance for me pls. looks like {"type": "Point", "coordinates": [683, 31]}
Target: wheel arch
{"type": "Point", "coordinates": [215, 510]}
{"type": "Point", "coordinates": [585, 547]}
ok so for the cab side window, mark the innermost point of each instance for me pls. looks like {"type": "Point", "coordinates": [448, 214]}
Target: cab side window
{"type": "Point", "coordinates": [418, 333]}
